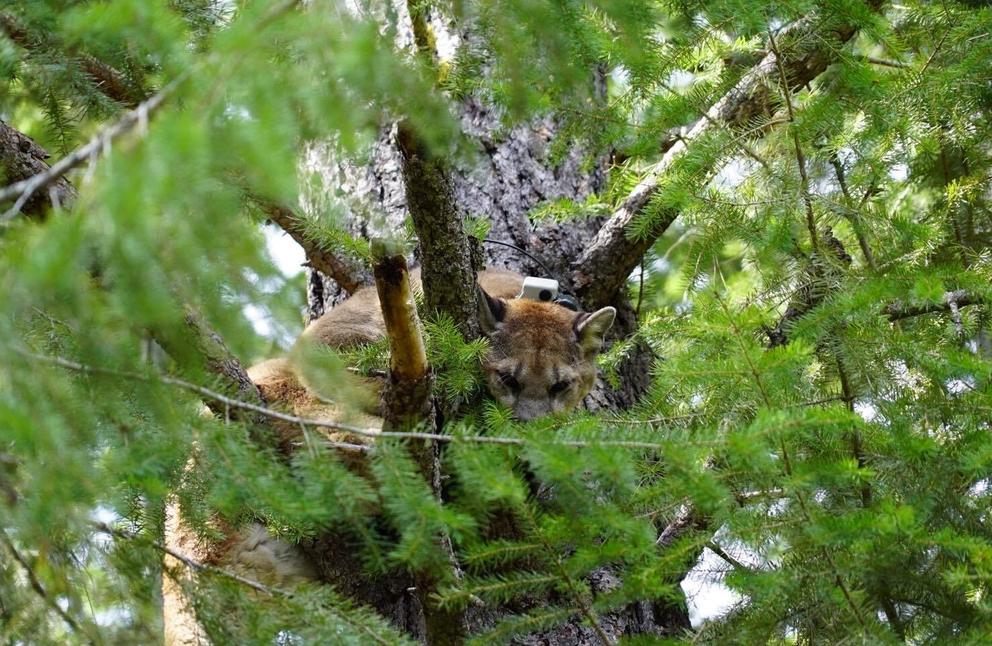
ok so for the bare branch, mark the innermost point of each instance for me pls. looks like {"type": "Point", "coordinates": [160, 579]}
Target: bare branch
{"type": "Point", "coordinates": [349, 272]}
{"type": "Point", "coordinates": [600, 273]}
{"type": "Point", "coordinates": [408, 355]}
{"type": "Point", "coordinates": [407, 400]}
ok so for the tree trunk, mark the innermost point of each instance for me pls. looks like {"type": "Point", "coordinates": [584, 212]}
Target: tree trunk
{"type": "Point", "coordinates": [510, 175]}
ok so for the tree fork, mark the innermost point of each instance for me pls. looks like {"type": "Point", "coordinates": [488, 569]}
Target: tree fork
{"type": "Point", "coordinates": [599, 274]}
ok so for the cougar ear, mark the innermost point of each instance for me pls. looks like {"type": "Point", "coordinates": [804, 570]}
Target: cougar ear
{"type": "Point", "coordinates": [591, 328]}
{"type": "Point", "coordinates": [491, 310]}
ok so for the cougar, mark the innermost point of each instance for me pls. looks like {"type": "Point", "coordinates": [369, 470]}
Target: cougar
{"type": "Point", "coordinates": [541, 360]}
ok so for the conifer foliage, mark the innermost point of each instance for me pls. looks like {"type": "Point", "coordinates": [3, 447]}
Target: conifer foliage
{"type": "Point", "coordinates": [795, 224]}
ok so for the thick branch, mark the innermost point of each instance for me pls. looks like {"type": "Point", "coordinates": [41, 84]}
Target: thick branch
{"type": "Point", "coordinates": [20, 160]}
{"type": "Point", "coordinates": [26, 189]}
{"type": "Point", "coordinates": [408, 403]}
{"type": "Point", "coordinates": [347, 271]}
{"type": "Point", "coordinates": [951, 300]}
{"type": "Point", "coordinates": [600, 273]}
{"type": "Point", "coordinates": [448, 275]}
{"type": "Point", "coordinates": [407, 353]}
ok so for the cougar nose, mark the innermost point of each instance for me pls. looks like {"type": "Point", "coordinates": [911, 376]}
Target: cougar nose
{"type": "Point", "coordinates": [528, 409]}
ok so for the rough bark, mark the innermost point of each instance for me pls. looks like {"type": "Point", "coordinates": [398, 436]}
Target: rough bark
{"type": "Point", "coordinates": [21, 159]}
{"type": "Point", "coordinates": [445, 252]}
{"type": "Point", "coordinates": [603, 268]}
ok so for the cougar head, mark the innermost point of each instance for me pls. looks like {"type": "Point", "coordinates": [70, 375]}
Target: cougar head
{"type": "Point", "coordinates": [542, 357]}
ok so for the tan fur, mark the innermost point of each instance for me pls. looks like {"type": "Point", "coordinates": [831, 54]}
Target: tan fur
{"type": "Point", "coordinates": [539, 345]}
{"type": "Point", "coordinates": [284, 390]}
{"type": "Point", "coordinates": [358, 320]}
{"type": "Point", "coordinates": [251, 551]}
{"type": "Point", "coordinates": [542, 356]}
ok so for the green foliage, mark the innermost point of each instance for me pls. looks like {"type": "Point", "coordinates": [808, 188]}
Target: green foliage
{"type": "Point", "coordinates": [844, 474]}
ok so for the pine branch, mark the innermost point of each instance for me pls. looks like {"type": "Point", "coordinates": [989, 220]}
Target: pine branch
{"type": "Point", "coordinates": [807, 297]}
{"type": "Point", "coordinates": [895, 311]}
{"type": "Point", "coordinates": [600, 273]}
{"type": "Point", "coordinates": [107, 79]}
{"type": "Point", "coordinates": [348, 272]}
{"type": "Point", "coordinates": [25, 189]}
{"type": "Point", "coordinates": [800, 156]}
{"type": "Point", "coordinates": [39, 589]}
{"type": "Point", "coordinates": [853, 214]}
{"type": "Point", "coordinates": [951, 300]}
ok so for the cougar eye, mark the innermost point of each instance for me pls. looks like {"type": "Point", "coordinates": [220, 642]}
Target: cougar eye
{"type": "Point", "coordinates": [509, 381]}
{"type": "Point", "coordinates": [559, 388]}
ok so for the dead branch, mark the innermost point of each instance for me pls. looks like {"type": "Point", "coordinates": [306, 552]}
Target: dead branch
{"type": "Point", "coordinates": [346, 271]}
{"type": "Point", "coordinates": [448, 274]}
{"type": "Point", "coordinates": [600, 273]}
{"type": "Point", "coordinates": [407, 400]}
{"type": "Point", "coordinates": [408, 355]}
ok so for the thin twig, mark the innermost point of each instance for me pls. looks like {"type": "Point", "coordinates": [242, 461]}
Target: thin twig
{"type": "Point", "coordinates": [884, 62]}
{"type": "Point", "coordinates": [369, 432]}
{"type": "Point", "coordinates": [39, 588]}
{"type": "Point", "coordinates": [800, 157]}
{"type": "Point", "coordinates": [854, 215]}
{"type": "Point", "coordinates": [723, 554]}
